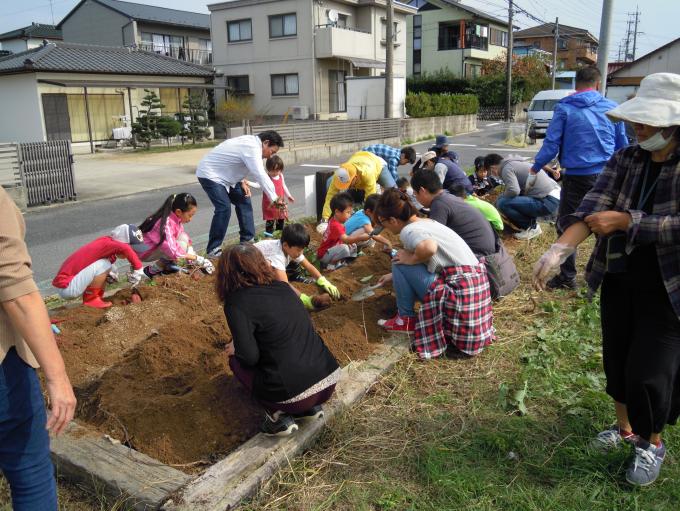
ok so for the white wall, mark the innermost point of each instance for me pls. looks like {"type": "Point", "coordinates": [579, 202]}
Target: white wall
{"type": "Point", "coordinates": [366, 97]}
{"type": "Point", "coordinates": [21, 109]}
{"type": "Point", "coordinates": [15, 45]}
{"type": "Point", "coordinates": [664, 61]}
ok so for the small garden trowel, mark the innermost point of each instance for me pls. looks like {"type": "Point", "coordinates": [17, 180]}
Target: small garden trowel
{"type": "Point", "coordinates": [365, 292]}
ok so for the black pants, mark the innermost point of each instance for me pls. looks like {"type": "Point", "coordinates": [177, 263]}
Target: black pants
{"type": "Point", "coordinates": [641, 350]}
{"type": "Point", "coordinates": [574, 188]}
{"type": "Point", "coordinates": [269, 225]}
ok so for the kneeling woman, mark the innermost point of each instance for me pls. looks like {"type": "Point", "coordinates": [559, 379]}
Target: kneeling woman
{"type": "Point", "coordinates": [437, 268]}
{"type": "Point", "coordinates": [276, 353]}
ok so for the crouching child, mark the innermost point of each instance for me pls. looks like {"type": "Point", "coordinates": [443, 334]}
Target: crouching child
{"type": "Point", "coordinates": [85, 272]}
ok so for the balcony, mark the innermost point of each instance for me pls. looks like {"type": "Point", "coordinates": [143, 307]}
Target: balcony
{"type": "Point", "coordinates": [202, 57]}
{"type": "Point", "coordinates": [344, 43]}
{"type": "Point", "coordinates": [587, 53]}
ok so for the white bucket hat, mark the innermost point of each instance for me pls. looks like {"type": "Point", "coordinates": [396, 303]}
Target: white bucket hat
{"type": "Point", "coordinates": [657, 102]}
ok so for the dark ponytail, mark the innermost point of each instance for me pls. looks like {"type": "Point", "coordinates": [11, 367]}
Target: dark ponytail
{"type": "Point", "coordinates": [395, 204]}
{"type": "Point", "coordinates": [182, 201]}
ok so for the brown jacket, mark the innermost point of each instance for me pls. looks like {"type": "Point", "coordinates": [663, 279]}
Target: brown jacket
{"type": "Point", "coordinates": [16, 277]}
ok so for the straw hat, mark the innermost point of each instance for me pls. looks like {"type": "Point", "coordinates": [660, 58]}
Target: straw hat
{"type": "Point", "coordinates": [657, 102]}
{"type": "Point", "coordinates": [429, 155]}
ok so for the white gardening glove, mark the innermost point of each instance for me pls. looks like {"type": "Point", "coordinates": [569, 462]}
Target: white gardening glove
{"type": "Point", "coordinates": [112, 277]}
{"type": "Point", "coordinates": [191, 250]}
{"type": "Point", "coordinates": [205, 264]}
{"type": "Point", "coordinates": [321, 228]}
{"type": "Point", "coordinates": [550, 262]}
{"type": "Point", "coordinates": [135, 277]}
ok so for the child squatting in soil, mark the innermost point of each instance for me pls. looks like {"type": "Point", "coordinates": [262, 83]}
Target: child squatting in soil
{"type": "Point", "coordinates": [273, 214]}
{"type": "Point", "coordinates": [166, 239]}
{"type": "Point", "coordinates": [276, 353]}
{"type": "Point", "coordinates": [87, 270]}
{"type": "Point", "coordinates": [336, 246]}
{"type": "Point", "coordinates": [291, 246]}
{"type": "Point", "coordinates": [361, 222]}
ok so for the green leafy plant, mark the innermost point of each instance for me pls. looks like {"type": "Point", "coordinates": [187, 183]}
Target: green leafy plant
{"type": "Point", "coordinates": [145, 129]}
{"type": "Point", "coordinates": [168, 127]}
{"type": "Point", "coordinates": [195, 118]}
{"type": "Point", "coordinates": [423, 104]}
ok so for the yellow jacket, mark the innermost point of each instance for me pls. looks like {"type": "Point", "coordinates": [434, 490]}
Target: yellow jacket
{"type": "Point", "coordinates": [369, 167]}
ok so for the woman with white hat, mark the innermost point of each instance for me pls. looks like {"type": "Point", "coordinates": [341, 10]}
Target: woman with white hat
{"type": "Point", "coordinates": [634, 210]}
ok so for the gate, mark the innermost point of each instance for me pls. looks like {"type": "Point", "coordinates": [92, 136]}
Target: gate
{"type": "Point", "coordinates": [47, 172]}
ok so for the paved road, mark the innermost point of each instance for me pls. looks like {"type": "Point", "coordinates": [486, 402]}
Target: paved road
{"type": "Point", "coordinates": [53, 233]}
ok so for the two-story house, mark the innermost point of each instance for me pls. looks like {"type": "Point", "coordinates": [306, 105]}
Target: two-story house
{"type": "Point", "coordinates": [576, 47]}
{"type": "Point", "coordinates": [447, 35]}
{"type": "Point", "coordinates": [29, 37]}
{"type": "Point", "coordinates": [294, 55]}
{"type": "Point", "coordinates": [180, 34]}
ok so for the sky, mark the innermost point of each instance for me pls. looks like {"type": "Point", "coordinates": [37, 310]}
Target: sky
{"type": "Point", "coordinates": [657, 22]}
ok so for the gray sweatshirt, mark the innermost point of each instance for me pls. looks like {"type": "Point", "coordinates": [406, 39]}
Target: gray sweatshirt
{"type": "Point", "coordinates": [515, 171]}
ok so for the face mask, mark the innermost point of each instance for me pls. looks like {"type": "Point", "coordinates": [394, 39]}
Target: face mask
{"type": "Point", "coordinates": [656, 142]}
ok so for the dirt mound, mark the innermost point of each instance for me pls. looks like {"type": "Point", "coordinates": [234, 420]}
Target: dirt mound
{"type": "Point", "coordinates": [154, 375]}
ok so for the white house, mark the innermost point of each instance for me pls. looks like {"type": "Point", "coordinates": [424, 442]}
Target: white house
{"type": "Point", "coordinates": [25, 38]}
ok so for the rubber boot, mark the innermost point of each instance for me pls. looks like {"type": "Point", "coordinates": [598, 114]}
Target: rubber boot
{"type": "Point", "coordinates": [92, 297]}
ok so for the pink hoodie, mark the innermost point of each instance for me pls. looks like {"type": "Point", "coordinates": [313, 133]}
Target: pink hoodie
{"type": "Point", "coordinates": [170, 247]}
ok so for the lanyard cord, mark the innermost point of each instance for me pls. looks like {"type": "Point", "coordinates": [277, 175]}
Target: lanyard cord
{"type": "Point", "coordinates": [645, 194]}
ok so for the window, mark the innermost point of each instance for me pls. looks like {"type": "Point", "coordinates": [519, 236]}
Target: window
{"type": "Point", "coordinates": [417, 42]}
{"type": "Point", "coordinates": [163, 44]}
{"type": "Point", "coordinates": [285, 85]}
{"type": "Point", "coordinates": [416, 68]}
{"type": "Point", "coordinates": [476, 36]}
{"type": "Point", "coordinates": [342, 21]}
{"type": "Point", "coordinates": [239, 30]}
{"type": "Point", "coordinates": [543, 105]}
{"type": "Point", "coordinates": [472, 70]}
{"type": "Point", "coordinates": [498, 37]}
{"type": "Point", "coordinates": [561, 44]}
{"type": "Point", "coordinates": [239, 84]}
{"type": "Point", "coordinates": [283, 25]}
{"type": "Point", "coordinates": [449, 35]}
{"type": "Point", "coordinates": [383, 30]}
{"type": "Point", "coordinates": [337, 95]}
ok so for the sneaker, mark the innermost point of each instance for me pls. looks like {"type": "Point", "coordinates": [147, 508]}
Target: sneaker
{"type": "Point", "coordinates": [399, 323]}
{"type": "Point", "coordinates": [268, 234]}
{"type": "Point", "coordinates": [301, 278]}
{"type": "Point", "coordinates": [646, 465]}
{"type": "Point", "coordinates": [612, 438]}
{"type": "Point", "coordinates": [170, 268]}
{"type": "Point", "coordinates": [314, 413]}
{"type": "Point", "coordinates": [278, 424]}
{"type": "Point", "coordinates": [336, 266]}
{"type": "Point", "coordinates": [529, 234]}
{"type": "Point", "coordinates": [215, 253]}
{"type": "Point", "coordinates": [559, 282]}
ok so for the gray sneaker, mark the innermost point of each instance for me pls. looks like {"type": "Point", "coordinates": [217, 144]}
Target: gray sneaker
{"type": "Point", "coordinates": [646, 465]}
{"type": "Point", "coordinates": [611, 439]}
{"type": "Point", "coordinates": [529, 234]}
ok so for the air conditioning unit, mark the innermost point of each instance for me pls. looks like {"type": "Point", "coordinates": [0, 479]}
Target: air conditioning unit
{"type": "Point", "coordinates": [300, 112]}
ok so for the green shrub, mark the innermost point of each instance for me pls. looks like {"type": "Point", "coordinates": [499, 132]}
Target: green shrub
{"type": "Point", "coordinates": [423, 104]}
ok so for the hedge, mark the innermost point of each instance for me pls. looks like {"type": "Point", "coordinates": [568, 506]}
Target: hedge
{"type": "Point", "coordinates": [423, 104]}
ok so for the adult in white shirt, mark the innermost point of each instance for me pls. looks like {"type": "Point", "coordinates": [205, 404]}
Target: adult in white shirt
{"type": "Point", "coordinates": [222, 173]}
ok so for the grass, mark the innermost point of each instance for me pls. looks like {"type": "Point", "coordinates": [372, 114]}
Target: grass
{"type": "Point", "coordinates": [507, 430]}
{"type": "Point", "coordinates": [408, 141]}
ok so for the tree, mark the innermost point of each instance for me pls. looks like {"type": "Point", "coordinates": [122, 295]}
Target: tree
{"type": "Point", "coordinates": [146, 129]}
{"type": "Point", "coordinates": [195, 117]}
{"type": "Point", "coordinates": [529, 74]}
{"type": "Point", "coordinates": [168, 127]}
{"type": "Point", "coordinates": [235, 109]}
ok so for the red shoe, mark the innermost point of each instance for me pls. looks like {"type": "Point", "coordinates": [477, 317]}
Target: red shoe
{"type": "Point", "coordinates": [399, 323]}
{"type": "Point", "coordinates": [92, 297]}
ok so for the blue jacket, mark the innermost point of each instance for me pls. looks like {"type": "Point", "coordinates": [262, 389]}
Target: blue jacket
{"type": "Point", "coordinates": [582, 135]}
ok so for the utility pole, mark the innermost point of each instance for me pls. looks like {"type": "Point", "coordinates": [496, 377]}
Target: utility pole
{"type": "Point", "coordinates": [389, 60]}
{"type": "Point", "coordinates": [554, 66]}
{"type": "Point", "coordinates": [637, 19]}
{"type": "Point", "coordinates": [508, 80]}
{"type": "Point", "coordinates": [628, 31]}
{"type": "Point", "coordinates": [603, 49]}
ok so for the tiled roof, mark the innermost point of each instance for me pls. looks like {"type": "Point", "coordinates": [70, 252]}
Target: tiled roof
{"type": "Point", "coordinates": [34, 30]}
{"type": "Point", "coordinates": [546, 30]}
{"type": "Point", "coordinates": [476, 12]}
{"type": "Point", "coordinates": [82, 58]}
{"type": "Point", "coordinates": [152, 14]}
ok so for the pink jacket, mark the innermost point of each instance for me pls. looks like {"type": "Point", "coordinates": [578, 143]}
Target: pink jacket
{"type": "Point", "coordinates": [170, 247]}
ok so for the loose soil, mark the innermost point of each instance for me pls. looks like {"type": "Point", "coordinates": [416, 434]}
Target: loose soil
{"type": "Point", "coordinates": [154, 374]}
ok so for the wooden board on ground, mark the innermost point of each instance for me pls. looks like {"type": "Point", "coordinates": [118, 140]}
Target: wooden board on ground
{"type": "Point", "coordinates": [238, 476]}
{"type": "Point", "coordinates": [92, 459]}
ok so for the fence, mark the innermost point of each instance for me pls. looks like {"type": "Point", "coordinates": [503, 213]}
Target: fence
{"type": "Point", "coordinates": [497, 113]}
{"type": "Point", "coordinates": [325, 132]}
{"type": "Point", "coordinates": [47, 172]}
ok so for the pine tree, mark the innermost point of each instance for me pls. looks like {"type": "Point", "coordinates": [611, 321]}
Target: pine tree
{"type": "Point", "coordinates": [195, 117]}
{"type": "Point", "coordinates": [146, 128]}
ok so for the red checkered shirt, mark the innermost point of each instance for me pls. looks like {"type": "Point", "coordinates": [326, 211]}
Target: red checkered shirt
{"type": "Point", "coordinates": [456, 310]}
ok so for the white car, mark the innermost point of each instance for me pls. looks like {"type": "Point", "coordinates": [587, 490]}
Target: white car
{"type": "Point", "coordinates": [540, 111]}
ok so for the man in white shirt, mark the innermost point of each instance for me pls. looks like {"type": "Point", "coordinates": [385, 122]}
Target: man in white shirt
{"type": "Point", "coordinates": [222, 172]}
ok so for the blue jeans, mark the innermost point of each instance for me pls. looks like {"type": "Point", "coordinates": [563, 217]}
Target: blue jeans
{"type": "Point", "coordinates": [222, 199]}
{"type": "Point", "coordinates": [523, 211]}
{"type": "Point", "coordinates": [24, 442]}
{"type": "Point", "coordinates": [410, 283]}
